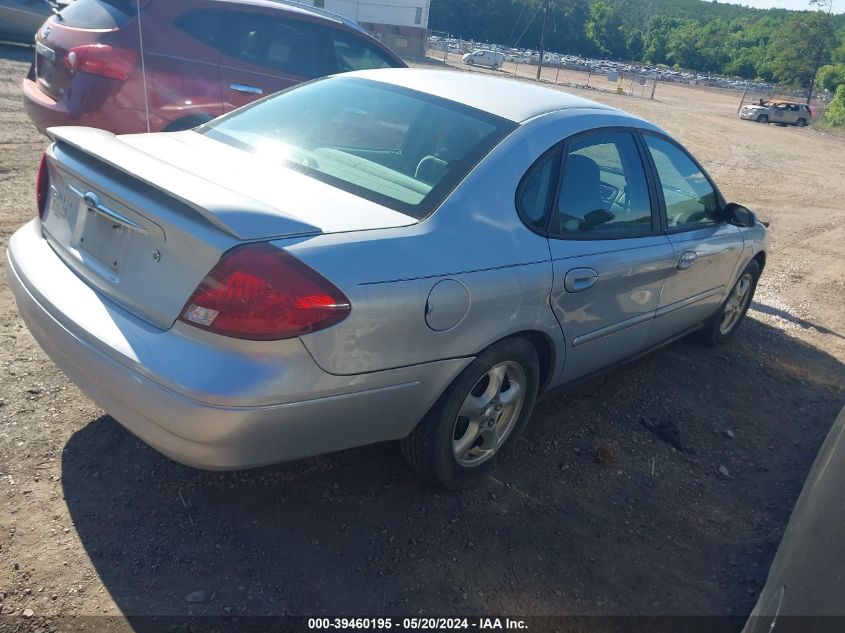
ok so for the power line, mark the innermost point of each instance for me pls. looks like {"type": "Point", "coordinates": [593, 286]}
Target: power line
{"type": "Point", "coordinates": [513, 29]}
{"type": "Point", "coordinates": [519, 39]}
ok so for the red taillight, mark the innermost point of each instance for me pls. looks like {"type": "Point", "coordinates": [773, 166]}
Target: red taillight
{"type": "Point", "coordinates": [41, 187]}
{"type": "Point", "coordinates": [260, 292]}
{"type": "Point", "coordinates": [102, 60]}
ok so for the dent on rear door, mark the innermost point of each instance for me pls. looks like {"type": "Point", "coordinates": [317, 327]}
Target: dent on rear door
{"type": "Point", "coordinates": [613, 319]}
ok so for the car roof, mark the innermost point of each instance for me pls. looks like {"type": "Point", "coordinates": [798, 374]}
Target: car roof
{"type": "Point", "coordinates": [517, 101]}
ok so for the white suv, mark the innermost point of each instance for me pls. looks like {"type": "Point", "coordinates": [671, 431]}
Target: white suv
{"type": "Point", "coordinates": [491, 59]}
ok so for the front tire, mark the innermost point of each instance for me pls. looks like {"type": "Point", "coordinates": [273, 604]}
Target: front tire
{"type": "Point", "coordinates": [478, 418]}
{"type": "Point", "coordinates": [727, 319]}
{"type": "Point", "coordinates": [763, 118]}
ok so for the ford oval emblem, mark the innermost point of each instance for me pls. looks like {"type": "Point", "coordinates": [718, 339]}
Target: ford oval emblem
{"type": "Point", "coordinates": [91, 199]}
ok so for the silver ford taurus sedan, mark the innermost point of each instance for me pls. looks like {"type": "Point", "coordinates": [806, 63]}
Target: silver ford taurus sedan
{"type": "Point", "coordinates": [403, 254]}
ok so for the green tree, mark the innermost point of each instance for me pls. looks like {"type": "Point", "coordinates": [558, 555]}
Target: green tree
{"type": "Point", "coordinates": [635, 45]}
{"type": "Point", "coordinates": [605, 30]}
{"type": "Point", "coordinates": [830, 77]}
{"type": "Point", "coordinates": [802, 43]}
{"type": "Point", "coordinates": [705, 36]}
{"type": "Point", "coordinates": [835, 113]}
{"type": "Point", "coordinates": [656, 40]}
{"type": "Point", "coordinates": [683, 50]}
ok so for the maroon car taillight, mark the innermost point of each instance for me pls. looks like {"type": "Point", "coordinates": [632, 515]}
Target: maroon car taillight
{"type": "Point", "coordinates": [260, 292]}
{"type": "Point", "coordinates": [41, 186]}
{"type": "Point", "coordinates": [103, 60]}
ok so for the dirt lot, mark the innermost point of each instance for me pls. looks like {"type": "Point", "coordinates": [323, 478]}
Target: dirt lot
{"type": "Point", "coordinates": [93, 522]}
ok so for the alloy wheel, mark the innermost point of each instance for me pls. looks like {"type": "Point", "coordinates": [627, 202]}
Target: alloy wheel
{"type": "Point", "coordinates": [736, 304]}
{"type": "Point", "coordinates": [488, 414]}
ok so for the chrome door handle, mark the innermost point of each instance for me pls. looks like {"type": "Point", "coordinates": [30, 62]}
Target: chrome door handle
{"type": "Point", "coordinates": [580, 279]}
{"type": "Point", "coordinates": [246, 89]}
{"type": "Point", "coordinates": [687, 259]}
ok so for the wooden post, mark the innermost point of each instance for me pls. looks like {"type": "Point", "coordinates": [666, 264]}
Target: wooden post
{"type": "Point", "coordinates": [742, 100]}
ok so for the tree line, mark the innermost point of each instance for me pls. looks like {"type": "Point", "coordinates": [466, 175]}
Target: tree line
{"type": "Point", "coordinates": [772, 45]}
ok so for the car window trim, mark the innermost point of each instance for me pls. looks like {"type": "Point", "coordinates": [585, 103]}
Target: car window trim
{"type": "Point", "coordinates": [664, 218]}
{"type": "Point", "coordinates": [553, 225]}
{"type": "Point", "coordinates": [542, 228]}
{"type": "Point", "coordinates": [552, 220]}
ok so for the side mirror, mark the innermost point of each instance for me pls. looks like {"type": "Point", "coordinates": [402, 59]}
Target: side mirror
{"type": "Point", "coordinates": [739, 215]}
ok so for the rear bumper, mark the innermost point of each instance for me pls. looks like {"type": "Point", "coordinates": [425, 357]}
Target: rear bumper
{"type": "Point", "coordinates": [204, 400]}
{"type": "Point", "coordinates": [45, 112]}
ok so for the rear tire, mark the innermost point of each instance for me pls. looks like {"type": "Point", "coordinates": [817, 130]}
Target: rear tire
{"type": "Point", "coordinates": [727, 319]}
{"type": "Point", "coordinates": [478, 418]}
{"type": "Point", "coordinates": [801, 123]}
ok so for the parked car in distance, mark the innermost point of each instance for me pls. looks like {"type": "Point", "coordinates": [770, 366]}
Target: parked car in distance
{"type": "Point", "coordinates": [20, 19]}
{"type": "Point", "coordinates": [781, 112]}
{"type": "Point", "coordinates": [491, 59]}
{"type": "Point", "coordinates": [803, 592]}
{"type": "Point", "coordinates": [202, 58]}
{"type": "Point", "coordinates": [395, 254]}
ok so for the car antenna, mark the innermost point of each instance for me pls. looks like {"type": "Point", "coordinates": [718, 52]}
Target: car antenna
{"type": "Point", "coordinates": [143, 66]}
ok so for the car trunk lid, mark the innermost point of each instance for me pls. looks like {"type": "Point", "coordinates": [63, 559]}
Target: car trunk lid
{"type": "Point", "coordinates": [143, 218]}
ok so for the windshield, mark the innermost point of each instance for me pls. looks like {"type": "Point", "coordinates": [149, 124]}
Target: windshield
{"type": "Point", "coordinates": [394, 146]}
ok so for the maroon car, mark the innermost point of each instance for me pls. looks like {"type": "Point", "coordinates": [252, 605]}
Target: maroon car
{"type": "Point", "coordinates": [201, 58]}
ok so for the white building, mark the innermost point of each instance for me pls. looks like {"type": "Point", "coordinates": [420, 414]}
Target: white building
{"type": "Point", "coordinates": [400, 24]}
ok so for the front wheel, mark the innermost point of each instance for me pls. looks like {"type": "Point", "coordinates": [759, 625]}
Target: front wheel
{"type": "Point", "coordinates": [763, 118]}
{"type": "Point", "coordinates": [478, 418]}
{"type": "Point", "coordinates": [731, 313]}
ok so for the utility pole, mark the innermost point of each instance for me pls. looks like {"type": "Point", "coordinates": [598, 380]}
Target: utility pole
{"type": "Point", "coordinates": [542, 38]}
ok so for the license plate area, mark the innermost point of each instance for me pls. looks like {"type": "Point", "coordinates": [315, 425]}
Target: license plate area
{"type": "Point", "coordinates": [103, 239]}
{"type": "Point", "coordinates": [45, 71]}
{"type": "Point", "coordinates": [45, 60]}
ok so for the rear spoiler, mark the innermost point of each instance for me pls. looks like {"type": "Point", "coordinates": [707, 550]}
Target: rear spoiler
{"type": "Point", "coordinates": [234, 213]}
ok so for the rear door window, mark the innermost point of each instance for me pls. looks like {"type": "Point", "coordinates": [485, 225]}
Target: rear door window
{"type": "Point", "coordinates": [288, 46]}
{"type": "Point", "coordinates": [355, 53]}
{"type": "Point", "coordinates": [535, 191]}
{"type": "Point", "coordinates": [98, 14]}
{"type": "Point", "coordinates": [205, 26]}
{"type": "Point", "coordinates": [603, 188]}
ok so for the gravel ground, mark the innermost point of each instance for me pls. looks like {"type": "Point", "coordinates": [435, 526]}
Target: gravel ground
{"type": "Point", "coordinates": [592, 514]}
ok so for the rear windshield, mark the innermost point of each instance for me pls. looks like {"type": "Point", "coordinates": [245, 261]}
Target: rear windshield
{"type": "Point", "coordinates": [394, 146]}
{"type": "Point", "coordinates": [98, 14]}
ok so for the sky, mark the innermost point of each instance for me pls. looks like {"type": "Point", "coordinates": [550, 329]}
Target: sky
{"type": "Point", "coordinates": [838, 5]}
